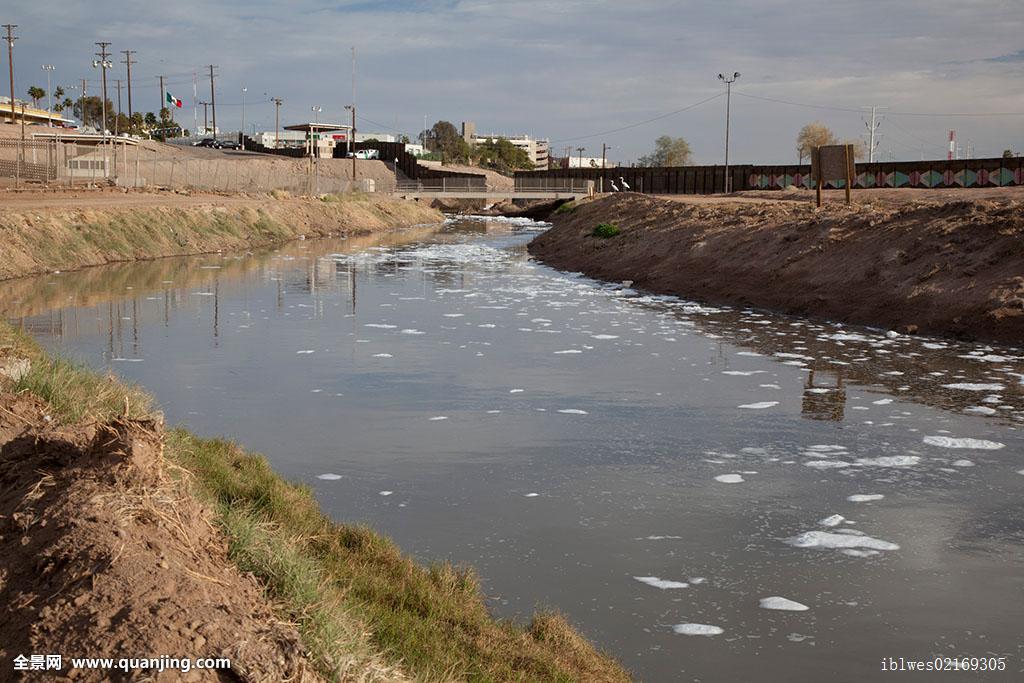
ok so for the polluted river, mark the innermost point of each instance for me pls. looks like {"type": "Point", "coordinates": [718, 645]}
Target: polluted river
{"type": "Point", "coordinates": [708, 493]}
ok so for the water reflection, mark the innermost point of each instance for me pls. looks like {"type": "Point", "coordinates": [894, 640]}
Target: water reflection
{"type": "Point", "coordinates": [566, 437]}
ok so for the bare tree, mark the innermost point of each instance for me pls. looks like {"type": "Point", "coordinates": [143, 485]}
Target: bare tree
{"type": "Point", "coordinates": [814, 134]}
{"type": "Point", "coordinates": [668, 151]}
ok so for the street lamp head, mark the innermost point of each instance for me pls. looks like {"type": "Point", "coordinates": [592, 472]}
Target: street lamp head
{"type": "Point", "coordinates": [736, 75]}
{"type": "Point", "coordinates": [721, 77]}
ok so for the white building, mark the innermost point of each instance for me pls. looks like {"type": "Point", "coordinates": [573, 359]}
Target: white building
{"type": "Point", "coordinates": [535, 148]}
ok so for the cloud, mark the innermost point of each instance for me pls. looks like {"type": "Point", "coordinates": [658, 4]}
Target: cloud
{"type": "Point", "coordinates": [566, 68]}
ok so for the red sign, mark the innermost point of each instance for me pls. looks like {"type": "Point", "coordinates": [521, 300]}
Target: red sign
{"type": "Point", "coordinates": [339, 136]}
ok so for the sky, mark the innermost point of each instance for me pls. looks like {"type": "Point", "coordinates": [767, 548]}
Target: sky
{"type": "Point", "coordinates": [580, 73]}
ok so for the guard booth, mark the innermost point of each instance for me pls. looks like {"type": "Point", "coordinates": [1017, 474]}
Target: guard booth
{"type": "Point", "coordinates": [322, 137]}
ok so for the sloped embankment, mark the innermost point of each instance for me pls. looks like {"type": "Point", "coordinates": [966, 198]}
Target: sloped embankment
{"type": "Point", "coordinates": [128, 228]}
{"type": "Point", "coordinates": [950, 268]}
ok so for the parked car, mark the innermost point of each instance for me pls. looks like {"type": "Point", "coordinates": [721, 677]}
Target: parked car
{"type": "Point", "coordinates": [206, 142]}
{"type": "Point", "coordinates": [365, 154]}
{"type": "Point", "coordinates": [227, 144]}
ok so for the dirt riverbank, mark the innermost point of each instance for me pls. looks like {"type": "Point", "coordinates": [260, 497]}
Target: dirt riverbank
{"type": "Point", "coordinates": [44, 232]}
{"type": "Point", "coordinates": [928, 265]}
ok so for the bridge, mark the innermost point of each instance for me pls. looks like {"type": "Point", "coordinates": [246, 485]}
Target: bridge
{"type": "Point", "coordinates": [459, 188]}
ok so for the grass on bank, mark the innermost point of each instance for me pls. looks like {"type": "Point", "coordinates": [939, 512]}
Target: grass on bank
{"type": "Point", "coordinates": [606, 230]}
{"type": "Point", "coordinates": [364, 609]}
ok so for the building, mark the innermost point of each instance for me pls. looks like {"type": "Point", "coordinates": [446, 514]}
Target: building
{"type": "Point", "coordinates": [586, 162]}
{"type": "Point", "coordinates": [535, 148]}
{"type": "Point", "coordinates": [33, 115]}
{"type": "Point", "coordinates": [298, 136]}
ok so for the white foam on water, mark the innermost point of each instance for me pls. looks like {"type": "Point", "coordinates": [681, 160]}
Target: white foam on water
{"type": "Point", "coordinates": [305, 351]}
{"type": "Point", "coordinates": [128, 360]}
{"type": "Point", "coordinates": [516, 391]}
{"type": "Point", "coordinates": [564, 351]}
{"type": "Point", "coordinates": [385, 493]}
{"type": "Point", "coordinates": [759, 406]}
{"type": "Point", "coordinates": [970, 386]}
{"type": "Point", "coordinates": [854, 552]}
{"type": "Point", "coordinates": [1020, 471]}
{"type": "Point", "coordinates": [438, 418]}
{"type": "Point", "coordinates": [383, 326]}
{"type": "Point", "coordinates": [531, 495]}
{"type": "Point", "coordinates": [832, 520]}
{"type": "Point", "coordinates": [769, 386]}
{"type": "Point", "coordinates": [882, 402]}
{"type": "Point", "coordinates": [826, 464]}
{"type": "Point", "coordinates": [980, 410]}
{"type": "Point", "coordinates": [573, 411]}
{"type": "Point", "coordinates": [697, 580]}
{"type": "Point", "coordinates": [864, 497]}
{"type": "Point", "coordinates": [784, 604]}
{"type": "Point", "coordinates": [819, 390]}
{"type": "Point", "coordinates": [743, 373]}
{"type": "Point", "coordinates": [748, 353]}
{"type": "Point", "coordinates": [891, 461]}
{"type": "Point", "coordinates": [697, 630]}
{"type": "Point", "coordinates": [382, 355]}
{"type": "Point", "coordinates": [663, 584]}
{"type": "Point", "coordinates": [454, 315]}
{"type": "Point", "coordinates": [827, 539]}
{"type": "Point", "coordinates": [412, 331]}
{"type": "Point", "coordinates": [826, 448]}
{"type": "Point", "coordinates": [962, 463]}
{"type": "Point", "coordinates": [604, 336]}
{"type": "Point", "coordinates": [662, 538]}
{"type": "Point", "coordinates": [953, 442]}
{"type": "Point", "coordinates": [329, 476]}
{"type": "Point", "coordinates": [729, 478]}
{"type": "Point", "coordinates": [493, 412]}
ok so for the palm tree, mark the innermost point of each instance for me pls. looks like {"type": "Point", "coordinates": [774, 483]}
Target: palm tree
{"type": "Point", "coordinates": [36, 93]}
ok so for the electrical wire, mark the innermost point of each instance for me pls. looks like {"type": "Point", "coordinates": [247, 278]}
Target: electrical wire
{"type": "Point", "coordinates": [887, 113]}
{"type": "Point", "coordinates": [639, 123]}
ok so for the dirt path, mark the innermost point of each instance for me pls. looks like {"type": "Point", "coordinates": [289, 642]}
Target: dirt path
{"type": "Point", "coordinates": [104, 554]}
{"type": "Point", "coordinates": [948, 266]}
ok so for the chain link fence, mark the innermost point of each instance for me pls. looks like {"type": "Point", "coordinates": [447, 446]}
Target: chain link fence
{"type": "Point", "coordinates": [130, 163]}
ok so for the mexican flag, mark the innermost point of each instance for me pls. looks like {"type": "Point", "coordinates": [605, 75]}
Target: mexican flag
{"type": "Point", "coordinates": [171, 99]}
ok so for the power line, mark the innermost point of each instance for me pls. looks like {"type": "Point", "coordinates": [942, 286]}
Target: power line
{"type": "Point", "coordinates": [640, 123]}
{"type": "Point", "coordinates": [891, 113]}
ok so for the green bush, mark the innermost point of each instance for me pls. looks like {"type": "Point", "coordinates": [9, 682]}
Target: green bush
{"type": "Point", "coordinates": [606, 230]}
{"type": "Point", "coordinates": [568, 207]}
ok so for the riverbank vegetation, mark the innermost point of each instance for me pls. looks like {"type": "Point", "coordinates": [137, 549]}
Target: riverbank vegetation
{"type": "Point", "coordinates": [364, 610]}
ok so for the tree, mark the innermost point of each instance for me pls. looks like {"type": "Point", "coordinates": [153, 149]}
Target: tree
{"type": "Point", "coordinates": [668, 151]}
{"type": "Point", "coordinates": [90, 110]}
{"type": "Point", "coordinates": [860, 148]}
{"type": "Point", "coordinates": [444, 139]}
{"type": "Point", "coordinates": [150, 119]}
{"type": "Point", "coordinates": [814, 134]}
{"type": "Point", "coordinates": [1008, 154]}
{"type": "Point", "coordinates": [501, 155]}
{"type": "Point", "coordinates": [36, 93]}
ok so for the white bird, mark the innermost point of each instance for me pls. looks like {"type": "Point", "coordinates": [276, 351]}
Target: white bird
{"type": "Point", "coordinates": [625, 185]}
{"type": "Point", "coordinates": [612, 183]}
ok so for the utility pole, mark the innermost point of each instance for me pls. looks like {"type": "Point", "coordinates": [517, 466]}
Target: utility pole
{"type": "Point", "coordinates": [117, 119]}
{"type": "Point", "coordinates": [213, 101]}
{"type": "Point", "coordinates": [872, 127]}
{"type": "Point", "coordinates": [127, 61]}
{"type": "Point", "coordinates": [10, 61]}
{"type": "Point", "coordinates": [728, 102]}
{"type": "Point", "coordinates": [48, 68]}
{"type": "Point", "coordinates": [103, 64]}
{"type": "Point", "coordinates": [163, 95]}
{"type": "Point", "coordinates": [353, 108]}
{"type": "Point", "coordinates": [205, 126]}
{"type": "Point", "coordinates": [83, 103]}
{"type": "Point", "coordinates": [277, 119]}
{"type": "Point", "coordinates": [580, 150]}
{"type": "Point", "coordinates": [604, 153]}
{"type": "Point", "coordinates": [241, 135]}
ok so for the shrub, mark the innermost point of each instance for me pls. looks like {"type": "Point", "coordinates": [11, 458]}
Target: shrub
{"type": "Point", "coordinates": [568, 207]}
{"type": "Point", "coordinates": [606, 230]}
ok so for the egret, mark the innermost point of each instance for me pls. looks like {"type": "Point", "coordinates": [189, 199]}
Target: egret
{"type": "Point", "coordinates": [614, 188]}
{"type": "Point", "coordinates": [625, 185]}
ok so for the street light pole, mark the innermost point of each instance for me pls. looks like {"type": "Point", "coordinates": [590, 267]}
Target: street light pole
{"type": "Point", "coordinates": [48, 68]}
{"type": "Point", "coordinates": [103, 63]}
{"type": "Point", "coordinates": [314, 147]}
{"type": "Point", "coordinates": [242, 134]}
{"type": "Point", "coordinates": [728, 100]}
{"type": "Point", "coordinates": [277, 119]}
{"type": "Point", "coordinates": [10, 61]}
{"type": "Point", "coordinates": [604, 152]}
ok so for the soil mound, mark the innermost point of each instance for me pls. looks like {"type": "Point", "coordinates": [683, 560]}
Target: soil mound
{"type": "Point", "coordinates": [952, 267]}
{"type": "Point", "coordinates": [104, 555]}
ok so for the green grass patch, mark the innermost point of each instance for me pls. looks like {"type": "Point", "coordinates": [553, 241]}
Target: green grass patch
{"type": "Point", "coordinates": [362, 607]}
{"type": "Point", "coordinates": [606, 230]}
{"type": "Point", "coordinates": [566, 208]}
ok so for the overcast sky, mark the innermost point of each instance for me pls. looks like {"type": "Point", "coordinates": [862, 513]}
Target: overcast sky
{"type": "Point", "coordinates": [573, 71]}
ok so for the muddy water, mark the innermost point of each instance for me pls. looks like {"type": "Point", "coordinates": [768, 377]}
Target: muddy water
{"type": "Point", "coordinates": [653, 468]}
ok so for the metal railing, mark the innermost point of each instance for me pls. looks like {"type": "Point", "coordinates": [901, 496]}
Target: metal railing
{"type": "Point", "coordinates": [461, 185]}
